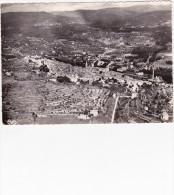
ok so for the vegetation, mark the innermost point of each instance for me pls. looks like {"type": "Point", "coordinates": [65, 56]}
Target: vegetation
{"type": "Point", "coordinates": [162, 36]}
{"type": "Point", "coordinates": [145, 51]}
{"type": "Point", "coordinates": [63, 79]}
{"type": "Point", "coordinates": [44, 68]}
{"type": "Point", "coordinates": [165, 73]}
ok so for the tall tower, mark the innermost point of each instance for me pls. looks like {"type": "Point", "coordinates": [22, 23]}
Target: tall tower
{"type": "Point", "coordinates": [153, 72]}
{"type": "Point", "coordinates": [86, 64]}
{"type": "Point", "coordinates": [122, 54]}
{"type": "Point", "coordinates": [70, 69]}
{"type": "Point", "coordinates": [148, 59]}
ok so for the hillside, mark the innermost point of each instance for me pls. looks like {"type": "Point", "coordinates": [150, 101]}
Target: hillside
{"type": "Point", "coordinates": [149, 8]}
{"type": "Point", "coordinates": [39, 24]}
{"type": "Point", "coordinates": [119, 16]}
{"type": "Point", "coordinates": [137, 9]}
{"type": "Point", "coordinates": [18, 19]}
{"type": "Point", "coordinates": [103, 18]}
{"type": "Point", "coordinates": [150, 18]}
{"type": "Point", "coordinates": [67, 24]}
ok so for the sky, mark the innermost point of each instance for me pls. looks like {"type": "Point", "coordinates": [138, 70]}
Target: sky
{"type": "Point", "coordinates": [51, 7]}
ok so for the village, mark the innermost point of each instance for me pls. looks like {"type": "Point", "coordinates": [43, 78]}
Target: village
{"type": "Point", "coordinates": [82, 75]}
{"type": "Point", "coordinates": [85, 92]}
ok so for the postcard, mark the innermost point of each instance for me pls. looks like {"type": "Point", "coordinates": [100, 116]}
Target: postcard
{"type": "Point", "coordinates": [87, 63]}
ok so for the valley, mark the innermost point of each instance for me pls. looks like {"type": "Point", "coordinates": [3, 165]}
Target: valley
{"type": "Point", "coordinates": [69, 67]}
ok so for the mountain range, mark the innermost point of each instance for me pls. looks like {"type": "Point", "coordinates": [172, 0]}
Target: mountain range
{"type": "Point", "coordinates": [108, 18]}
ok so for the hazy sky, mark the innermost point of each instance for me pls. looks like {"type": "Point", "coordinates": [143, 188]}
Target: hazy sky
{"type": "Point", "coordinates": [36, 7]}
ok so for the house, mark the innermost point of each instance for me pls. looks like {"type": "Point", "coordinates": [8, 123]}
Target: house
{"type": "Point", "coordinates": [130, 55]}
{"type": "Point", "coordinates": [140, 73]}
{"type": "Point", "coordinates": [83, 116]}
{"type": "Point", "coordinates": [8, 74]}
{"type": "Point", "coordinates": [163, 64]}
{"type": "Point", "coordinates": [53, 80]}
{"type": "Point", "coordinates": [122, 69]}
{"type": "Point", "coordinates": [94, 112]}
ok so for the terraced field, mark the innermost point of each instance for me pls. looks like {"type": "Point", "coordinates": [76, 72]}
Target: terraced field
{"type": "Point", "coordinates": [22, 100]}
{"type": "Point", "coordinates": [55, 102]}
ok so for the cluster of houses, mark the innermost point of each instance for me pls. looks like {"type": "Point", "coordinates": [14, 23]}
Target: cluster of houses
{"type": "Point", "coordinates": [163, 60]}
{"type": "Point", "coordinates": [88, 100]}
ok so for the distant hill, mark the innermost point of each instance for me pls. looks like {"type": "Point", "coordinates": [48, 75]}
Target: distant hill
{"type": "Point", "coordinates": [119, 16]}
{"type": "Point", "coordinates": [40, 24]}
{"type": "Point", "coordinates": [149, 8]}
{"type": "Point", "coordinates": [18, 19]}
{"type": "Point", "coordinates": [107, 17]}
{"type": "Point", "coordinates": [103, 18]}
{"type": "Point", "coordinates": [150, 18]}
{"type": "Point", "coordinates": [137, 9]}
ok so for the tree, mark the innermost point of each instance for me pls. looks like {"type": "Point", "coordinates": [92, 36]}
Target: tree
{"type": "Point", "coordinates": [145, 51]}
{"type": "Point", "coordinates": [162, 36]}
{"type": "Point", "coordinates": [62, 79]}
{"type": "Point", "coordinates": [44, 68]}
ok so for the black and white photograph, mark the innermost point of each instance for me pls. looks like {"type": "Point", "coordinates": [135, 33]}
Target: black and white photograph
{"type": "Point", "coordinates": [87, 63]}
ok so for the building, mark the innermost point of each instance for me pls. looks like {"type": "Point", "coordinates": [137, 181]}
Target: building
{"type": "Point", "coordinates": [94, 112]}
{"type": "Point", "coordinates": [83, 116]}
